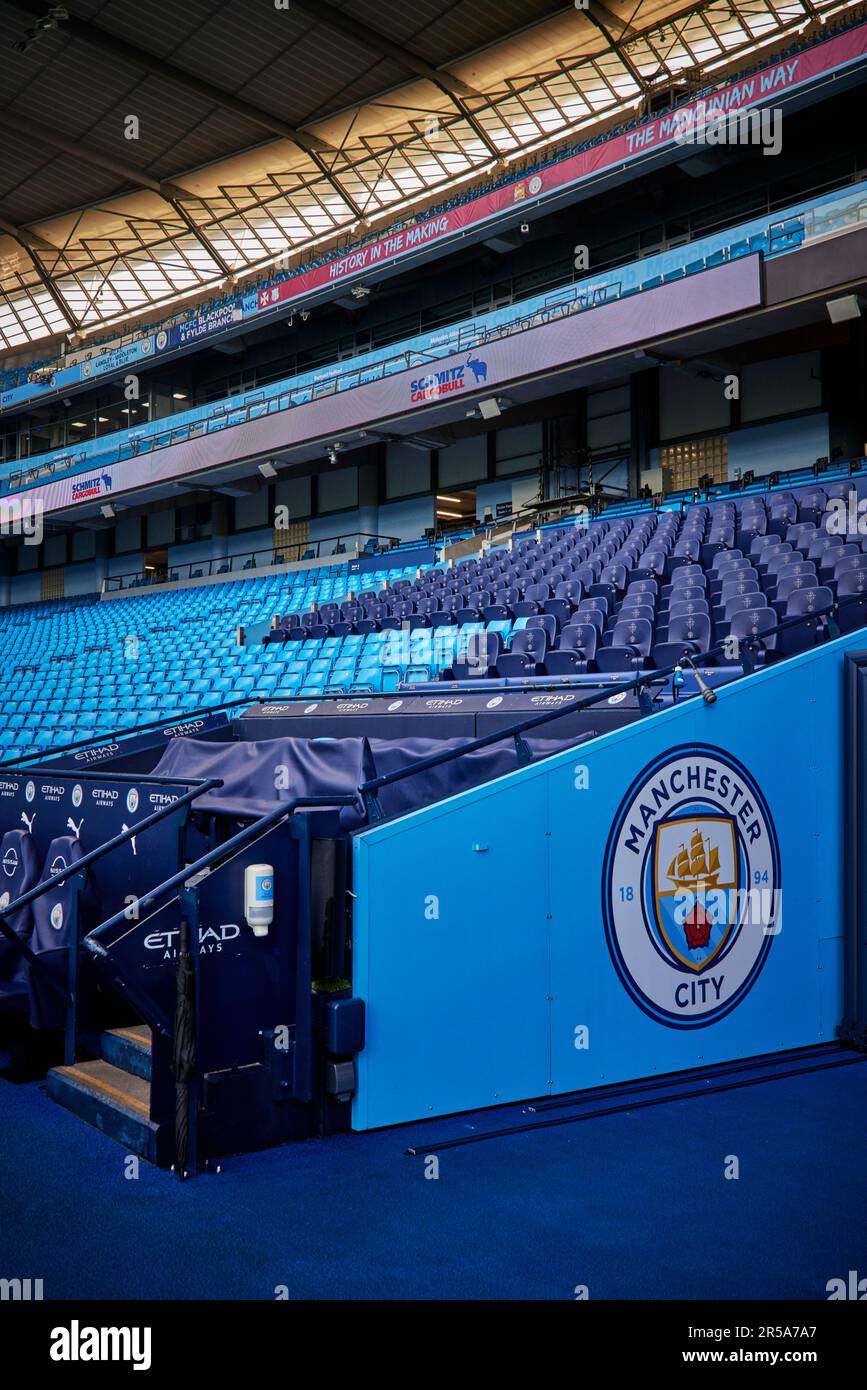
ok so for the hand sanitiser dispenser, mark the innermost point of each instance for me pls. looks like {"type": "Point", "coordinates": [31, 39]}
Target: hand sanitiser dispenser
{"type": "Point", "coordinates": [259, 897]}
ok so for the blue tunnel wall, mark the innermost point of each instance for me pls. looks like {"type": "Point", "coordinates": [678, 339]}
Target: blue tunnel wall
{"type": "Point", "coordinates": [521, 939]}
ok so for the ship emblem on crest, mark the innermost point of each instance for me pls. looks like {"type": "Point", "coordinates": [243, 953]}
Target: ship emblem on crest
{"type": "Point", "coordinates": [696, 893]}
{"type": "Point", "coordinates": [697, 867]}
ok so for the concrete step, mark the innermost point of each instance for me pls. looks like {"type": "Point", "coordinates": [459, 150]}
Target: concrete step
{"type": "Point", "coordinates": [128, 1049]}
{"type": "Point", "coordinates": [113, 1101]}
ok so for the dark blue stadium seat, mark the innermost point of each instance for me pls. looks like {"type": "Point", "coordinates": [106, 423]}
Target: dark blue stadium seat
{"type": "Point", "coordinates": [481, 659]}
{"type": "Point", "coordinates": [852, 586]}
{"type": "Point", "coordinates": [809, 603]}
{"type": "Point", "coordinates": [576, 652]}
{"type": "Point", "coordinates": [525, 655]}
{"type": "Point", "coordinates": [688, 633]}
{"type": "Point", "coordinates": [630, 646]}
{"type": "Point", "coordinates": [748, 624]}
{"type": "Point", "coordinates": [53, 918]}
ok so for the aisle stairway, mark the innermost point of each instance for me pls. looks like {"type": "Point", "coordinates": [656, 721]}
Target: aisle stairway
{"type": "Point", "coordinates": [112, 1092]}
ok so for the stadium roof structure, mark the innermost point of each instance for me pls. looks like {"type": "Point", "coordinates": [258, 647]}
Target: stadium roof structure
{"type": "Point", "coordinates": [153, 152]}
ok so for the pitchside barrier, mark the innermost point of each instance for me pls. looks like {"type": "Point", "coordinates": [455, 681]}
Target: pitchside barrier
{"type": "Point", "coordinates": [668, 895]}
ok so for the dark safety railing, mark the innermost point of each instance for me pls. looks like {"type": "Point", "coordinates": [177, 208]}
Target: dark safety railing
{"type": "Point", "coordinates": [77, 870]}
{"type": "Point", "coordinates": [641, 684]}
{"type": "Point", "coordinates": [117, 736]}
{"type": "Point", "coordinates": [349, 545]}
{"type": "Point", "coordinates": [184, 1027]}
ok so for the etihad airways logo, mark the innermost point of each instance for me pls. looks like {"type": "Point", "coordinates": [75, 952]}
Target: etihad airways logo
{"type": "Point", "coordinates": [191, 727]}
{"type": "Point", "coordinates": [95, 755]}
{"type": "Point", "coordinates": [211, 939]}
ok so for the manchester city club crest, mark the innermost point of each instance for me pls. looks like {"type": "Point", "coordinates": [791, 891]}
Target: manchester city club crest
{"type": "Point", "coordinates": [691, 886]}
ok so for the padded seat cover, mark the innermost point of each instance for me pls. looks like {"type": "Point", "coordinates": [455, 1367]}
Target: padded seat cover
{"type": "Point", "coordinates": [259, 775]}
{"type": "Point", "coordinates": [19, 871]}
{"type": "Point", "coordinates": [481, 765]}
{"type": "Point", "coordinates": [51, 936]}
{"type": "Point", "coordinates": [51, 910]}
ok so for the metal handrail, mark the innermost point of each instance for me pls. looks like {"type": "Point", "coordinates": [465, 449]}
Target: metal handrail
{"type": "Point", "coordinates": [640, 684]}
{"type": "Point", "coordinates": [208, 784]}
{"type": "Point", "coordinates": [837, 471]}
{"type": "Point", "coordinates": [216, 856]}
{"type": "Point", "coordinates": [581, 301]}
{"type": "Point", "coordinates": [219, 566]}
{"type": "Point", "coordinates": [184, 1028]}
{"type": "Point", "coordinates": [425, 690]}
{"type": "Point", "coordinates": [116, 735]}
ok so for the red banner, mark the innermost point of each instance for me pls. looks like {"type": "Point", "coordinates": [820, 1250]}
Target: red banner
{"type": "Point", "coordinates": [758, 90]}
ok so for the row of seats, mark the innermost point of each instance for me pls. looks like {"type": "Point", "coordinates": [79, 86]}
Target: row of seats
{"type": "Point", "coordinates": [80, 669]}
{"type": "Point", "coordinates": [630, 593]}
{"type": "Point", "coordinates": [636, 593]}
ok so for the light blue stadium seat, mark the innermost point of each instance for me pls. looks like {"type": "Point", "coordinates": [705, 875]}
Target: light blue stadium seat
{"type": "Point", "coordinates": [74, 670]}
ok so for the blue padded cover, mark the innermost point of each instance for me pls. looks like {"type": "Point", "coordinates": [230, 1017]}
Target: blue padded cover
{"type": "Point", "coordinates": [51, 910]}
{"type": "Point", "coordinates": [19, 870]}
{"type": "Point", "coordinates": [448, 779]}
{"type": "Point", "coordinates": [437, 782]}
{"type": "Point", "coordinates": [50, 939]}
{"type": "Point", "coordinates": [258, 776]}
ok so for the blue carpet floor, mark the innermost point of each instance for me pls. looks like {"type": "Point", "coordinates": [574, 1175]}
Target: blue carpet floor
{"type": "Point", "coordinates": [634, 1205]}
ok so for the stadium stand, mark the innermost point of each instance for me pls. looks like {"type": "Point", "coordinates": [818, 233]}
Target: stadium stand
{"type": "Point", "coordinates": [637, 594]}
{"type": "Point", "coordinates": [784, 233]}
{"type": "Point", "coordinates": [633, 594]}
{"type": "Point", "coordinates": [79, 669]}
{"type": "Point", "coordinates": [9, 379]}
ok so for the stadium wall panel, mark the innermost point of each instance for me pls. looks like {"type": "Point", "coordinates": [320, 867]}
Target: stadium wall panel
{"type": "Point", "coordinates": [718, 293]}
{"type": "Point", "coordinates": [485, 935]}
